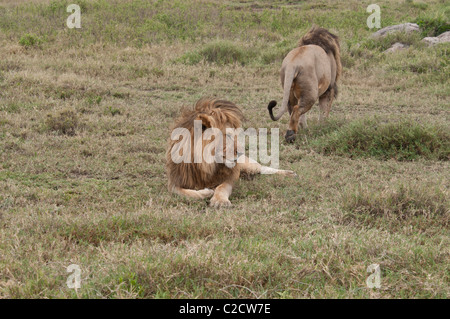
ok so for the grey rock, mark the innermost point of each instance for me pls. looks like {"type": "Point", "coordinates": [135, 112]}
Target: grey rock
{"type": "Point", "coordinates": [405, 27]}
{"type": "Point", "coordinates": [431, 40]}
{"type": "Point", "coordinates": [444, 37]}
{"type": "Point", "coordinates": [396, 46]}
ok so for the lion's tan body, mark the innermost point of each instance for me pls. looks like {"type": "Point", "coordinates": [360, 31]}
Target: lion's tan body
{"type": "Point", "coordinates": [309, 73]}
{"type": "Point", "coordinates": [311, 60]}
{"type": "Point", "coordinates": [203, 180]}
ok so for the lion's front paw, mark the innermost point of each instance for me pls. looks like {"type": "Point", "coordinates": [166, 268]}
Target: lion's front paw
{"type": "Point", "coordinates": [218, 202]}
{"type": "Point", "coordinates": [206, 192]}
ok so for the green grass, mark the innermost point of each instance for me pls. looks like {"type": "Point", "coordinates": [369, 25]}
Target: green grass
{"type": "Point", "coordinates": [227, 52]}
{"type": "Point", "coordinates": [403, 141]}
{"type": "Point", "coordinates": [400, 206]}
{"type": "Point", "coordinates": [30, 40]}
{"type": "Point", "coordinates": [141, 23]}
{"type": "Point", "coordinates": [220, 52]}
{"type": "Point", "coordinates": [433, 26]}
{"type": "Point", "coordinates": [84, 122]}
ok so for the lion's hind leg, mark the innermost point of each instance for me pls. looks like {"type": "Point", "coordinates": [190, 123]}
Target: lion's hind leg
{"type": "Point", "coordinates": [252, 167]}
{"type": "Point", "coordinates": [192, 193]}
{"type": "Point", "coordinates": [325, 101]}
{"type": "Point", "coordinates": [306, 100]}
{"type": "Point", "coordinates": [302, 121]}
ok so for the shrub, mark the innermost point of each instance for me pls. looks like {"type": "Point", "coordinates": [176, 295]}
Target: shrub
{"type": "Point", "coordinates": [158, 72]}
{"type": "Point", "coordinates": [316, 130]}
{"type": "Point", "coordinates": [220, 52]}
{"type": "Point", "coordinates": [190, 58]}
{"type": "Point", "coordinates": [418, 5]}
{"type": "Point", "coordinates": [94, 100]}
{"type": "Point", "coordinates": [277, 52]}
{"type": "Point", "coordinates": [224, 52]}
{"type": "Point", "coordinates": [433, 26]}
{"type": "Point", "coordinates": [64, 122]}
{"type": "Point", "coordinates": [30, 40]}
{"type": "Point", "coordinates": [113, 111]}
{"type": "Point", "coordinates": [403, 141]}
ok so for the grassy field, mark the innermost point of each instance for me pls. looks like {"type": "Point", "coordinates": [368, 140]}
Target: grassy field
{"type": "Point", "coordinates": [84, 122]}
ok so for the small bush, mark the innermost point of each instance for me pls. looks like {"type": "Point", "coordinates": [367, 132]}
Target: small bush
{"type": "Point", "coordinates": [417, 5]}
{"type": "Point", "coordinates": [94, 100]}
{"type": "Point", "coordinates": [190, 58]}
{"type": "Point", "coordinates": [158, 72]}
{"type": "Point", "coordinates": [64, 122]}
{"type": "Point", "coordinates": [224, 52]}
{"type": "Point", "coordinates": [113, 111]}
{"type": "Point", "coordinates": [403, 141]}
{"type": "Point", "coordinates": [316, 130]}
{"type": "Point", "coordinates": [433, 26]}
{"type": "Point", "coordinates": [276, 53]}
{"type": "Point", "coordinates": [30, 40]}
{"type": "Point", "coordinates": [220, 52]}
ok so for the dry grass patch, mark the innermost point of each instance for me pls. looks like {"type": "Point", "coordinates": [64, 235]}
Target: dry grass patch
{"type": "Point", "coordinates": [63, 122]}
{"type": "Point", "coordinates": [399, 206]}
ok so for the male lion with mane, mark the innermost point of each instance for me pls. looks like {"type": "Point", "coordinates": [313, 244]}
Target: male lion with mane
{"type": "Point", "coordinates": [309, 72]}
{"type": "Point", "coordinates": [214, 179]}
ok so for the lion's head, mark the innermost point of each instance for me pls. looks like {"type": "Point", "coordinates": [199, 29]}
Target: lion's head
{"type": "Point", "coordinates": [197, 152]}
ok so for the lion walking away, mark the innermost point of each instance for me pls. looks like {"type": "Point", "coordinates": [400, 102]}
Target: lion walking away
{"type": "Point", "coordinates": [205, 179]}
{"type": "Point", "coordinates": [309, 73]}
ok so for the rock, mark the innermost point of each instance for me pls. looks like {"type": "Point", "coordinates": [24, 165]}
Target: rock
{"type": "Point", "coordinates": [405, 27]}
{"type": "Point", "coordinates": [444, 37]}
{"type": "Point", "coordinates": [396, 46]}
{"type": "Point", "coordinates": [431, 40]}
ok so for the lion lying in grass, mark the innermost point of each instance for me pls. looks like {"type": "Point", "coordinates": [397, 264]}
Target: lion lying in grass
{"type": "Point", "coordinates": [208, 178]}
{"type": "Point", "coordinates": [309, 72]}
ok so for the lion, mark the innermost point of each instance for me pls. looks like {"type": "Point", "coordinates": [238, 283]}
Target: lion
{"type": "Point", "coordinates": [309, 72]}
{"type": "Point", "coordinates": [209, 179]}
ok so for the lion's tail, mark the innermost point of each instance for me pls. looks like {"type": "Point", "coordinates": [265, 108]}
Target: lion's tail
{"type": "Point", "coordinates": [327, 41]}
{"type": "Point", "coordinates": [288, 79]}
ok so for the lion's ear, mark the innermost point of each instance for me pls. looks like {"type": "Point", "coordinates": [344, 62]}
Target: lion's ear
{"type": "Point", "coordinates": [207, 121]}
